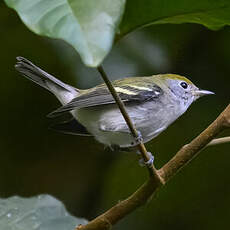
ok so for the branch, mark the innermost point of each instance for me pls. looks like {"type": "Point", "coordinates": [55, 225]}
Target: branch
{"type": "Point", "coordinates": [218, 141]}
{"type": "Point", "coordinates": [141, 146]}
{"type": "Point", "coordinates": [189, 151]}
{"type": "Point", "coordinates": [149, 188]}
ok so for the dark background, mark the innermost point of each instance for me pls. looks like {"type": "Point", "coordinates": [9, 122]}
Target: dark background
{"type": "Point", "coordinates": [77, 170]}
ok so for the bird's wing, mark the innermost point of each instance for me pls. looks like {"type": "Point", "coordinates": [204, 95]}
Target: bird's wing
{"type": "Point", "coordinates": [71, 126]}
{"type": "Point", "coordinates": [100, 95]}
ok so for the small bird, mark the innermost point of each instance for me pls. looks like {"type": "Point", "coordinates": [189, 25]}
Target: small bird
{"type": "Point", "coordinates": [152, 103]}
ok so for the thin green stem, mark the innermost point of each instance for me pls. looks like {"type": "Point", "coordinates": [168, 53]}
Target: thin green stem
{"type": "Point", "coordinates": [141, 146]}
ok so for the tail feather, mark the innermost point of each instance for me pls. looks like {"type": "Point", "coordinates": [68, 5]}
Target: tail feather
{"type": "Point", "coordinates": [64, 92]}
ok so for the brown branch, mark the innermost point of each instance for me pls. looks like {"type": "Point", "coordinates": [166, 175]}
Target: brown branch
{"type": "Point", "coordinates": [141, 146]}
{"type": "Point", "coordinates": [148, 189]}
{"type": "Point", "coordinates": [218, 141]}
{"type": "Point", "coordinates": [123, 208]}
{"type": "Point", "coordinates": [189, 151]}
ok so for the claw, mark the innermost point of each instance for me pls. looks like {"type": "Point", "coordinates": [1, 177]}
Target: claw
{"type": "Point", "coordinates": [139, 138]}
{"type": "Point", "coordinates": [149, 162]}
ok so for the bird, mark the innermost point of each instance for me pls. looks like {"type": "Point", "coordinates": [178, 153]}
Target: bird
{"type": "Point", "coordinates": [152, 102]}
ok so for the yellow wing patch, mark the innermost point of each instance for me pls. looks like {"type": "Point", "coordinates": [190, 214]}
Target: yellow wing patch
{"type": "Point", "coordinates": [125, 91]}
{"type": "Point", "coordinates": [140, 87]}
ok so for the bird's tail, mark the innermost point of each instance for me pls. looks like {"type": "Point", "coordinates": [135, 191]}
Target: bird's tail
{"type": "Point", "coordinates": [65, 93]}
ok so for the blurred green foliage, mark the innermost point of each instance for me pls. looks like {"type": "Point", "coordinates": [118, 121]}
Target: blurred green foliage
{"type": "Point", "coordinates": [87, 26]}
{"type": "Point", "coordinates": [77, 170]}
{"type": "Point", "coordinates": [91, 27]}
{"type": "Point", "coordinates": [213, 14]}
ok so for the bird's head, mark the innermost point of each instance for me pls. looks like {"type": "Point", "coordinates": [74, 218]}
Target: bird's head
{"type": "Point", "coordinates": [182, 88]}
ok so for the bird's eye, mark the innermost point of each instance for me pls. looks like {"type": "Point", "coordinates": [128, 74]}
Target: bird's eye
{"type": "Point", "coordinates": [184, 85]}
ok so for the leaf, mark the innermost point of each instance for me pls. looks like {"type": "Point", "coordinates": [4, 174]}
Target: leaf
{"type": "Point", "coordinates": [43, 212]}
{"type": "Point", "coordinates": [89, 26]}
{"type": "Point", "coordinates": [210, 13]}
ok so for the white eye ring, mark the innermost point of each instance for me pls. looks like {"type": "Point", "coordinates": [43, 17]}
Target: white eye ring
{"type": "Point", "coordinates": [184, 85]}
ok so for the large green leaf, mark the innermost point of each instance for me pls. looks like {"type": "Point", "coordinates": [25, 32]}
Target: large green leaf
{"type": "Point", "coordinates": [213, 14]}
{"type": "Point", "coordinates": [36, 213]}
{"type": "Point", "coordinates": [89, 26]}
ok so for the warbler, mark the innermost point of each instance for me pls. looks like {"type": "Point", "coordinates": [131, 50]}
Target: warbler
{"type": "Point", "coordinates": [152, 103]}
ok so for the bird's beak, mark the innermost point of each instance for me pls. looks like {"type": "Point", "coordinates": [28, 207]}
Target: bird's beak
{"type": "Point", "coordinates": [201, 92]}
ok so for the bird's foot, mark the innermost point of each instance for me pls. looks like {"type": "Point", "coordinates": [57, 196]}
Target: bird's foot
{"type": "Point", "coordinates": [149, 163]}
{"type": "Point", "coordinates": [139, 138]}
{"type": "Point", "coordinates": [113, 147]}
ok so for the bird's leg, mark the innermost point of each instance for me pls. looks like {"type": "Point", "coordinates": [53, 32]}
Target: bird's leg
{"type": "Point", "coordinates": [144, 163]}
{"type": "Point", "coordinates": [139, 138]}
{"type": "Point", "coordinates": [113, 147]}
